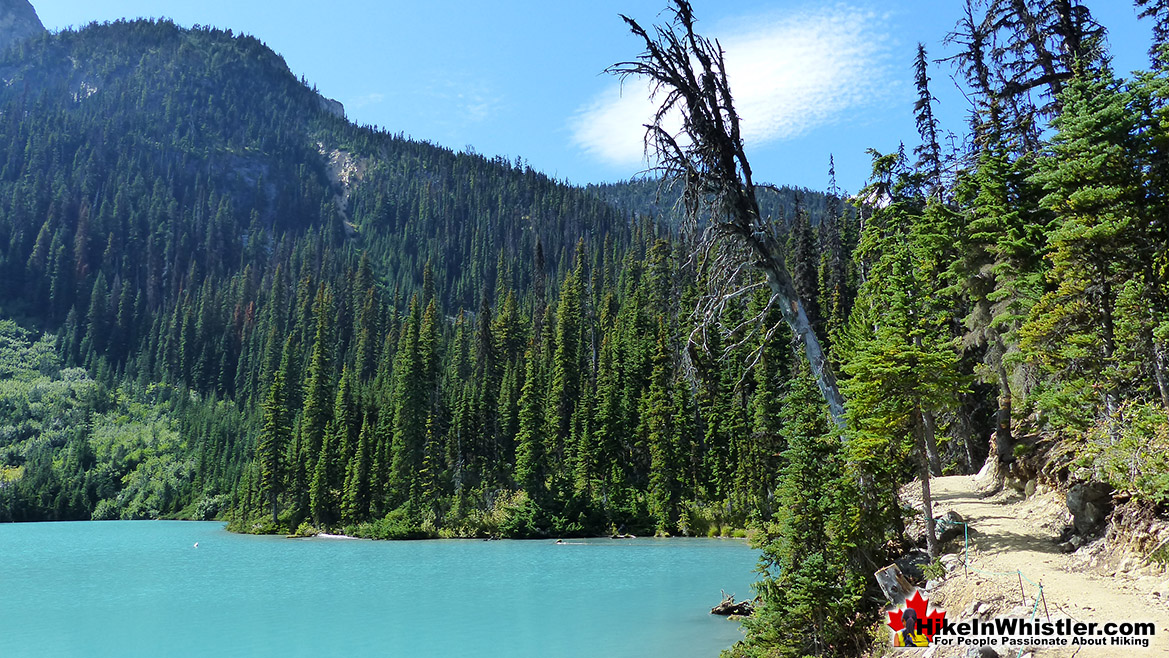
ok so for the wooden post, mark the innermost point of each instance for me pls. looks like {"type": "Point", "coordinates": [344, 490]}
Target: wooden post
{"type": "Point", "coordinates": [894, 585]}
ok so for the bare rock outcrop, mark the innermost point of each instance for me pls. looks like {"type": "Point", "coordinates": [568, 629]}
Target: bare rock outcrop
{"type": "Point", "coordinates": [329, 105]}
{"type": "Point", "coordinates": [1089, 504]}
{"type": "Point", "coordinates": [18, 21]}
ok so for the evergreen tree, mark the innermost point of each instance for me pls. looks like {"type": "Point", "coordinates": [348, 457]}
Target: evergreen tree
{"type": "Point", "coordinates": [275, 435]}
{"type": "Point", "coordinates": [1093, 187]}
{"type": "Point", "coordinates": [657, 418]}
{"type": "Point", "coordinates": [355, 505]}
{"type": "Point", "coordinates": [408, 403]}
{"type": "Point", "coordinates": [531, 469]}
{"type": "Point", "coordinates": [808, 591]}
{"type": "Point", "coordinates": [318, 389]}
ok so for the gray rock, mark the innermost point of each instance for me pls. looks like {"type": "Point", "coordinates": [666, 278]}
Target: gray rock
{"type": "Point", "coordinates": [329, 105]}
{"type": "Point", "coordinates": [1090, 503]}
{"type": "Point", "coordinates": [18, 21]}
{"type": "Point", "coordinates": [950, 526]}
{"type": "Point", "coordinates": [912, 562]}
{"type": "Point", "coordinates": [981, 652]}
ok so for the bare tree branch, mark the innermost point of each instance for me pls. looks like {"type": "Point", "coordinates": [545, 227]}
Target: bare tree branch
{"type": "Point", "coordinates": [687, 75]}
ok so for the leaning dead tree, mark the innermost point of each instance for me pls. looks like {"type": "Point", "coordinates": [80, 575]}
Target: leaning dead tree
{"type": "Point", "coordinates": [688, 79]}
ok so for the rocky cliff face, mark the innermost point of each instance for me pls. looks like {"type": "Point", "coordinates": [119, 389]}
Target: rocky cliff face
{"type": "Point", "coordinates": [327, 104]}
{"type": "Point", "coordinates": [18, 21]}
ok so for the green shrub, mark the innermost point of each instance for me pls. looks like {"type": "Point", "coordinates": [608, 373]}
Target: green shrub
{"type": "Point", "coordinates": [396, 524]}
{"type": "Point", "coordinates": [209, 507]}
{"type": "Point", "coordinates": [934, 570]}
{"type": "Point", "coordinates": [306, 529]}
{"type": "Point", "coordinates": [106, 510]}
{"type": "Point", "coordinates": [1131, 452]}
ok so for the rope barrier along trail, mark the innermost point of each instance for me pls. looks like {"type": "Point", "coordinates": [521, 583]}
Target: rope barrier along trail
{"type": "Point", "coordinates": [1022, 592]}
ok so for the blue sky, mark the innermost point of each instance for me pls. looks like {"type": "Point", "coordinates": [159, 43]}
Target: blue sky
{"type": "Point", "coordinates": [524, 78]}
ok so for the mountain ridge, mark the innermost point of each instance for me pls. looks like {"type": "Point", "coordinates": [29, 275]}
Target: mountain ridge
{"type": "Point", "coordinates": [18, 21]}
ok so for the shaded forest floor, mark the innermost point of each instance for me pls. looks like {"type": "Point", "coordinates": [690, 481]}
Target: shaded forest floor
{"type": "Point", "coordinates": [1012, 534]}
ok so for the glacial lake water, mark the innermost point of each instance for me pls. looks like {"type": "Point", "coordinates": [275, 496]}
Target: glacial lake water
{"type": "Point", "coordinates": [141, 588]}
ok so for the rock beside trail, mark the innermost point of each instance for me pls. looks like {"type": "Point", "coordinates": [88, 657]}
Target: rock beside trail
{"type": "Point", "coordinates": [912, 564]}
{"type": "Point", "coordinates": [950, 526]}
{"type": "Point", "coordinates": [1089, 504]}
{"type": "Point", "coordinates": [18, 21]}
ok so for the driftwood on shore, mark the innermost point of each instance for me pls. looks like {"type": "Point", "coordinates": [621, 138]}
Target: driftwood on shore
{"type": "Point", "coordinates": [729, 607]}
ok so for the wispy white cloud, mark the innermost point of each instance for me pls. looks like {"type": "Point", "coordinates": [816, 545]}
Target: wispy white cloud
{"type": "Point", "coordinates": [463, 100]}
{"type": "Point", "coordinates": [790, 73]}
{"type": "Point", "coordinates": [367, 100]}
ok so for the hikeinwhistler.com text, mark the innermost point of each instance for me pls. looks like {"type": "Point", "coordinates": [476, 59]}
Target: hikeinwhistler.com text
{"type": "Point", "coordinates": [1020, 632]}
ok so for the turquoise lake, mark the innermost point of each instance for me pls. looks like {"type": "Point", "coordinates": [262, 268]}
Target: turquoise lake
{"type": "Point", "coordinates": [141, 588]}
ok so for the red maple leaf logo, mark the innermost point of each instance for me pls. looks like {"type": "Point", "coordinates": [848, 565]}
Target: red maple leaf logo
{"type": "Point", "coordinates": [930, 618]}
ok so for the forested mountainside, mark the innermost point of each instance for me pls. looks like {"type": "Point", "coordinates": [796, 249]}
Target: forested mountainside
{"type": "Point", "coordinates": [339, 323]}
{"type": "Point", "coordinates": [781, 204]}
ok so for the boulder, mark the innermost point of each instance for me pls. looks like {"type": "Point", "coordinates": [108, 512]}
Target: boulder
{"type": "Point", "coordinates": [912, 563]}
{"type": "Point", "coordinates": [950, 525]}
{"type": "Point", "coordinates": [1090, 503]}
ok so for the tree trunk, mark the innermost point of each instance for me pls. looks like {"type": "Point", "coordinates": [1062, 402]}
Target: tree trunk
{"type": "Point", "coordinates": [780, 283]}
{"type": "Point", "coordinates": [1108, 333]}
{"type": "Point", "coordinates": [275, 518]}
{"type": "Point", "coordinates": [931, 443]}
{"type": "Point", "coordinates": [927, 503]}
{"type": "Point", "coordinates": [1004, 443]}
{"type": "Point", "coordinates": [1159, 374]}
{"type": "Point", "coordinates": [968, 440]}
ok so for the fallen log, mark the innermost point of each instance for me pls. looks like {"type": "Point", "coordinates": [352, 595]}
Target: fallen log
{"type": "Point", "coordinates": [729, 607]}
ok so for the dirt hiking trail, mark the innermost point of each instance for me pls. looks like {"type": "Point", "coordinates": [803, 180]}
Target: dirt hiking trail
{"type": "Point", "coordinates": [1009, 534]}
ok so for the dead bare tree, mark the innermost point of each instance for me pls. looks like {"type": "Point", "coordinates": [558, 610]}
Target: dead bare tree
{"type": "Point", "coordinates": [688, 78]}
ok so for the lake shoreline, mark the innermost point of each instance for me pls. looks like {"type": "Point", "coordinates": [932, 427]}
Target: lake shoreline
{"type": "Point", "coordinates": [309, 532]}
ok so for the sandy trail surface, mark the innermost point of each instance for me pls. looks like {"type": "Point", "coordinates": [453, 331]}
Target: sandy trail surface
{"type": "Point", "coordinates": [1011, 534]}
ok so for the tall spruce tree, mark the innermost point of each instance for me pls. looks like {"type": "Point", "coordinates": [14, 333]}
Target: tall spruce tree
{"type": "Point", "coordinates": [275, 435]}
